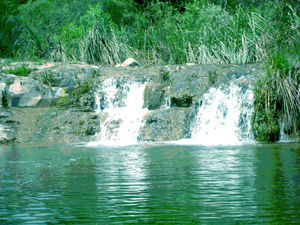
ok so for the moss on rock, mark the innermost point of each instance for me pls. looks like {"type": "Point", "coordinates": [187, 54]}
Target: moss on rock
{"type": "Point", "coordinates": [183, 101]}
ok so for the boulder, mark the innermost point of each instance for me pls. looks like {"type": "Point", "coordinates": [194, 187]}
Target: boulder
{"type": "Point", "coordinates": [64, 75]}
{"type": "Point", "coordinates": [55, 125]}
{"type": "Point", "coordinates": [128, 63]}
{"type": "Point", "coordinates": [25, 91]}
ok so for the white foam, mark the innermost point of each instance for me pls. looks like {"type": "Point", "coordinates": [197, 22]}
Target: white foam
{"type": "Point", "coordinates": [123, 112]}
{"type": "Point", "coordinates": [224, 117]}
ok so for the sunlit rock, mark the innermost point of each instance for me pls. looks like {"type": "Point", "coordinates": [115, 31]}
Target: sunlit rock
{"type": "Point", "coordinates": [130, 62]}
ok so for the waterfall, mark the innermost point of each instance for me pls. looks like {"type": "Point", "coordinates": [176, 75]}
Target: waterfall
{"type": "Point", "coordinates": [119, 104]}
{"type": "Point", "coordinates": [282, 136]}
{"type": "Point", "coordinates": [224, 117]}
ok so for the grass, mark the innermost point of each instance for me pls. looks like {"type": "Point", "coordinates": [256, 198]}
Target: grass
{"type": "Point", "coordinates": [277, 100]}
{"type": "Point", "coordinates": [158, 35]}
{"type": "Point", "coordinates": [48, 79]}
{"type": "Point", "coordinates": [22, 71]}
{"type": "Point", "coordinates": [155, 34]}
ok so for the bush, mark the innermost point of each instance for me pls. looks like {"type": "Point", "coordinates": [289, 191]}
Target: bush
{"type": "Point", "coordinates": [160, 32]}
{"type": "Point", "coordinates": [277, 99]}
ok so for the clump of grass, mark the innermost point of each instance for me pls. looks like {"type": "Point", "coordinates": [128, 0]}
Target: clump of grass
{"type": "Point", "coordinates": [277, 100]}
{"type": "Point", "coordinates": [48, 79]}
{"type": "Point", "coordinates": [22, 71]}
{"type": "Point", "coordinates": [62, 101]}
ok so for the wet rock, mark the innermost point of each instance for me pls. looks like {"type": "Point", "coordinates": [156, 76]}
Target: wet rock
{"type": "Point", "coordinates": [7, 134]}
{"type": "Point", "coordinates": [167, 124]}
{"type": "Point", "coordinates": [7, 127]}
{"type": "Point", "coordinates": [90, 131]}
{"type": "Point", "coordinates": [2, 95]}
{"type": "Point", "coordinates": [154, 96]}
{"type": "Point", "coordinates": [7, 79]}
{"type": "Point", "coordinates": [64, 75]}
{"type": "Point", "coordinates": [55, 126]}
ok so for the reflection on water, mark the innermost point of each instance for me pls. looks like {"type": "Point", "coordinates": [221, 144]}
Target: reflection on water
{"type": "Point", "coordinates": [150, 185]}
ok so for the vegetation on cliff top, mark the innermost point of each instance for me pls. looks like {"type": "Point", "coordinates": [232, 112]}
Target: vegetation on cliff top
{"type": "Point", "coordinates": [153, 32]}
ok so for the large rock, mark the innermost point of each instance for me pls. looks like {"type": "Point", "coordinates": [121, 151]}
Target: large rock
{"type": "Point", "coordinates": [167, 124]}
{"type": "Point", "coordinates": [64, 75]}
{"type": "Point", "coordinates": [27, 92]}
{"type": "Point", "coordinates": [128, 62]}
{"type": "Point", "coordinates": [56, 126]}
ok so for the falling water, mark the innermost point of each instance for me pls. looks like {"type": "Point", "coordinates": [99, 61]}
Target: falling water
{"type": "Point", "coordinates": [120, 106]}
{"type": "Point", "coordinates": [282, 136]}
{"type": "Point", "coordinates": [224, 117]}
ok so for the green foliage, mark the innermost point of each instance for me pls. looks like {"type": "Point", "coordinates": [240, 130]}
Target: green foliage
{"type": "Point", "coordinates": [160, 32]}
{"type": "Point", "coordinates": [22, 71]}
{"type": "Point", "coordinates": [277, 99]}
{"type": "Point", "coordinates": [10, 27]}
{"type": "Point", "coordinates": [62, 101]}
{"type": "Point", "coordinates": [48, 79]}
{"type": "Point", "coordinates": [183, 101]}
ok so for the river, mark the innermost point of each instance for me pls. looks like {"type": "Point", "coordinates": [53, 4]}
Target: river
{"type": "Point", "coordinates": [150, 184]}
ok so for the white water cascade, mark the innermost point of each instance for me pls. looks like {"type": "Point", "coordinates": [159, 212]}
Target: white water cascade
{"type": "Point", "coordinates": [120, 107]}
{"type": "Point", "coordinates": [224, 118]}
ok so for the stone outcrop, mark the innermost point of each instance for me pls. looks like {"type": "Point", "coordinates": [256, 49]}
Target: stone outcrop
{"type": "Point", "coordinates": [55, 102]}
{"type": "Point", "coordinates": [167, 124]}
{"type": "Point", "coordinates": [55, 125]}
{"type": "Point", "coordinates": [7, 126]}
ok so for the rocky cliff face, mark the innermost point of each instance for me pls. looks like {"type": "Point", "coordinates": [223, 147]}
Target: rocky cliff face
{"type": "Point", "coordinates": [55, 102]}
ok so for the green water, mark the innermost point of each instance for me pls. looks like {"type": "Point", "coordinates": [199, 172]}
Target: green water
{"type": "Point", "coordinates": [150, 185]}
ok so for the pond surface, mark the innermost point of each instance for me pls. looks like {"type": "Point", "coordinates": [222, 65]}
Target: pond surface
{"type": "Point", "coordinates": [150, 185]}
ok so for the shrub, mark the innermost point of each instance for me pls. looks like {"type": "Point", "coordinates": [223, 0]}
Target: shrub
{"type": "Point", "coordinates": [277, 99]}
{"type": "Point", "coordinates": [202, 31]}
